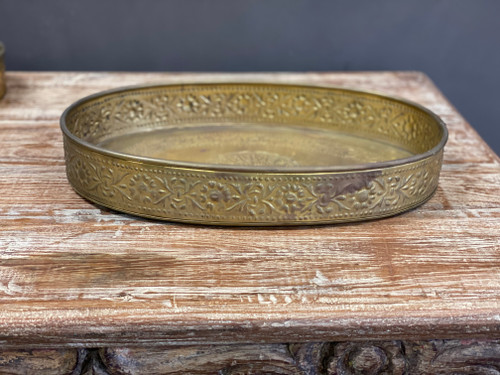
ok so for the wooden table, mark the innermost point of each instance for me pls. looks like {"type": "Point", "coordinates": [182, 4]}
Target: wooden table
{"type": "Point", "coordinates": [87, 290]}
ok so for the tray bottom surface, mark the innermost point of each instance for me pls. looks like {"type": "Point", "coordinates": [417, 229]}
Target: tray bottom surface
{"type": "Point", "coordinates": [255, 145]}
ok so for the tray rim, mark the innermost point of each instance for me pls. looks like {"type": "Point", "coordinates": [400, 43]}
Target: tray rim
{"type": "Point", "coordinates": [257, 169]}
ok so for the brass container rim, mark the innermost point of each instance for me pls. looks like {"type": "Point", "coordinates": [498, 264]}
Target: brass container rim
{"type": "Point", "coordinates": [258, 169]}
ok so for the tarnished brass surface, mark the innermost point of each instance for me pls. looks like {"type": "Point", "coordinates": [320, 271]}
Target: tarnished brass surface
{"type": "Point", "coordinates": [252, 153]}
{"type": "Point", "coordinates": [2, 71]}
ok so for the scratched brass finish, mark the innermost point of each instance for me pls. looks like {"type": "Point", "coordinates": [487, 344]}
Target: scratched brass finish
{"type": "Point", "coordinates": [2, 71]}
{"type": "Point", "coordinates": [252, 153]}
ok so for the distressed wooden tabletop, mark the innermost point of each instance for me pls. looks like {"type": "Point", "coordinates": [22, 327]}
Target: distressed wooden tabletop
{"type": "Point", "coordinates": [72, 273]}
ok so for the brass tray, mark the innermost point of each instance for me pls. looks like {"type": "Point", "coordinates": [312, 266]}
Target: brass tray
{"type": "Point", "coordinates": [2, 71]}
{"type": "Point", "coordinates": [252, 153]}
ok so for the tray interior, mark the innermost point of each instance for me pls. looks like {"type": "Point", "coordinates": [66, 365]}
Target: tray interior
{"type": "Point", "coordinates": [256, 145]}
{"type": "Point", "coordinates": [255, 125]}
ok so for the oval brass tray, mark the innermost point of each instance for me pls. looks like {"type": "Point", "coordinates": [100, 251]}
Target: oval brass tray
{"type": "Point", "coordinates": [252, 153]}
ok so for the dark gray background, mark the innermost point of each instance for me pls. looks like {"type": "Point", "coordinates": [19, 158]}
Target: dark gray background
{"type": "Point", "coordinates": [456, 42]}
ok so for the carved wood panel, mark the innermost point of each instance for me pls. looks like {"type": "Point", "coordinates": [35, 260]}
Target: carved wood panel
{"type": "Point", "coordinates": [327, 358]}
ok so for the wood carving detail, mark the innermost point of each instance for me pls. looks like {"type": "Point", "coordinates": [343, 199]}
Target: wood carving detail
{"type": "Point", "coordinates": [339, 358]}
{"type": "Point", "coordinates": [41, 361]}
{"type": "Point", "coordinates": [367, 358]}
{"type": "Point", "coordinates": [336, 358]}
